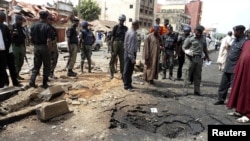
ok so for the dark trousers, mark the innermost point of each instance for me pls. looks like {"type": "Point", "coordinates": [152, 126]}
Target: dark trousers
{"type": "Point", "coordinates": [127, 71]}
{"type": "Point", "coordinates": [12, 70]}
{"type": "Point", "coordinates": [3, 63]}
{"type": "Point", "coordinates": [181, 60]}
{"type": "Point", "coordinates": [41, 56]}
{"type": "Point", "coordinates": [225, 84]}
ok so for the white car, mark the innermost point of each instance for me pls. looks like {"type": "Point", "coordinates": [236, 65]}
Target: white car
{"type": "Point", "coordinates": [63, 46]}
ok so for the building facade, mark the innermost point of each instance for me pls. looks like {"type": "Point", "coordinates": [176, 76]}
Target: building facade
{"type": "Point", "coordinates": [142, 10]}
{"type": "Point", "coordinates": [194, 9]}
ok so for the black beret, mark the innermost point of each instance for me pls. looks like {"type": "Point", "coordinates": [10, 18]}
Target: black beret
{"type": "Point", "coordinates": [199, 28]}
{"type": "Point", "coordinates": [239, 27]}
{"type": "Point", "coordinates": [19, 17]}
{"type": "Point", "coordinates": [43, 14]}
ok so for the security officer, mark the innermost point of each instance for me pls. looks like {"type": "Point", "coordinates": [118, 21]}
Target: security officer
{"type": "Point", "coordinates": [117, 41]}
{"type": "Point", "coordinates": [169, 52]}
{"type": "Point", "coordinates": [193, 47]}
{"type": "Point", "coordinates": [180, 52]}
{"type": "Point", "coordinates": [233, 56]}
{"type": "Point", "coordinates": [87, 39]}
{"type": "Point", "coordinates": [54, 50]}
{"type": "Point", "coordinates": [18, 44]}
{"type": "Point", "coordinates": [72, 40]}
{"type": "Point", "coordinates": [40, 34]}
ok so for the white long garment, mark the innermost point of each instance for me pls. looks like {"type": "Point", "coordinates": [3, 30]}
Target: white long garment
{"type": "Point", "coordinates": [2, 46]}
{"type": "Point", "coordinates": [223, 53]}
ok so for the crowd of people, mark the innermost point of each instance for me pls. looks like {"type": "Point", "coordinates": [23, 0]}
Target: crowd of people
{"type": "Point", "coordinates": [161, 47]}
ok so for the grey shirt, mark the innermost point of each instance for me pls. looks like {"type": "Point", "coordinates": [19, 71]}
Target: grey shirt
{"type": "Point", "coordinates": [195, 44]}
{"type": "Point", "coordinates": [130, 44]}
{"type": "Point", "coordinates": [234, 54]}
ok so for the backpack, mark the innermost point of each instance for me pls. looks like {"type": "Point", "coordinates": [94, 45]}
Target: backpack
{"type": "Point", "coordinates": [88, 37]}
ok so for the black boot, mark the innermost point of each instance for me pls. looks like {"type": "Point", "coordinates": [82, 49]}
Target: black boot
{"type": "Point", "coordinates": [89, 70]}
{"type": "Point", "coordinates": [71, 73]}
{"type": "Point", "coordinates": [82, 63]}
{"type": "Point", "coordinates": [45, 83]}
{"type": "Point", "coordinates": [163, 74]}
{"type": "Point", "coordinates": [32, 81]}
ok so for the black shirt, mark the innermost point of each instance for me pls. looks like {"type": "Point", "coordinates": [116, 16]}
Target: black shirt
{"type": "Point", "coordinates": [18, 36]}
{"type": "Point", "coordinates": [72, 35]}
{"type": "Point", "coordinates": [119, 31]}
{"type": "Point", "coordinates": [170, 41]}
{"type": "Point", "coordinates": [40, 32]}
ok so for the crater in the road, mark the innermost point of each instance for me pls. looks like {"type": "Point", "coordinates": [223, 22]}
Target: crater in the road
{"type": "Point", "coordinates": [164, 123]}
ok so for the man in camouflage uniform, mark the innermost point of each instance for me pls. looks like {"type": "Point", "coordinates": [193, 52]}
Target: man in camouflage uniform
{"type": "Point", "coordinates": [18, 44]}
{"type": "Point", "coordinates": [72, 40]}
{"type": "Point", "coordinates": [117, 41]}
{"type": "Point", "coordinates": [193, 47]}
{"type": "Point", "coordinates": [169, 52]}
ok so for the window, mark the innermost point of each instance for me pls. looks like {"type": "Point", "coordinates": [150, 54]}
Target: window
{"type": "Point", "coordinates": [150, 1]}
{"type": "Point", "coordinates": [130, 19]}
{"type": "Point", "coordinates": [145, 23]}
{"type": "Point", "coordinates": [146, 11]}
{"type": "Point", "coordinates": [141, 10]}
{"type": "Point", "coordinates": [131, 6]}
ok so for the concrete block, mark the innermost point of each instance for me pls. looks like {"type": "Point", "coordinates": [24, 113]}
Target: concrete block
{"type": "Point", "coordinates": [50, 110]}
{"type": "Point", "coordinates": [8, 92]}
{"type": "Point", "coordinates": [51, 92]}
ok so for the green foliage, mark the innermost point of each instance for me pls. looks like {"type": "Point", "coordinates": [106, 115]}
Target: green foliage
{"type": "Point", "coordinates": [89, 10]}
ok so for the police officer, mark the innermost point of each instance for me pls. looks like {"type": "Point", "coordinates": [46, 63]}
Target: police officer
{"type": "Point", "coordinates": [87, 39]}
{"type": "Point", "coordinates": [180, 52]}
{"type": "Point", "coordinates": [18, 44]}
{"type": "Point", "coordinates": [193, 47]}
{"type": "Point", "coordinates": [118, 35]}
{"type": "Point", "coordinates": [40, 34]}
{"type": "Point", "coordinates": [54, 50]}
{"type": "Point", "coordinates": [233, 56]}
{"type": "Point", "coordinates": [169, 52]}
{"type": "Point", "coordinates": [72, 40]}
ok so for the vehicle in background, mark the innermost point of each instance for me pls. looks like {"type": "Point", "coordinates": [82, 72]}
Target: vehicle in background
{"type": "Point", "coordinates": [63, 46]}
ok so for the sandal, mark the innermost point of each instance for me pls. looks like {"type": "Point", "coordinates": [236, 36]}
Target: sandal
{"type": "Point", "coordinates": [243, 119]}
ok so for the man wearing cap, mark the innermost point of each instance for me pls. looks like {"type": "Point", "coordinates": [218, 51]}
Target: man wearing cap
{"type": "Point", "coordinates": [233, 56]}
{"type": "Point", "coordinates": [40, 34]}
{"type": "Point", "coordinates": [54, 50]}
{"type": "Point", "coordinates": [194, 47]}
{"type": "Point", "coordinates": [72, 40]}
{"type": "Point", "coordinates": [18, 44]}
{"type": "Point", "coordinates": [117, 42]}
{"type": "Point", "coordinates": [87, 39]}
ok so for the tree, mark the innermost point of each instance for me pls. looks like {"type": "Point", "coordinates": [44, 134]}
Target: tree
{"type": "Point", "coordinates": [89, 10]}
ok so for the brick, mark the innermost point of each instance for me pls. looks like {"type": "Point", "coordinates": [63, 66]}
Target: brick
{"type": "Point", "coordinates": [6, 93]}
{"type": "Point", "coordinates": [50, 93]}
{"type": "Point", "coordinates": [50, 110]}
